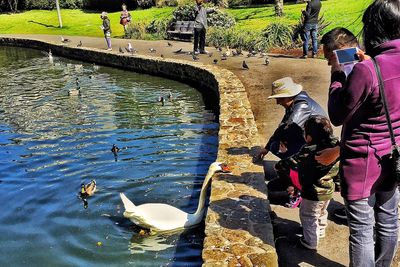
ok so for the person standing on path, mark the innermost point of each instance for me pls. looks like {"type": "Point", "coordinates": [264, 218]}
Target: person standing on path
{"type": "Point", "coordinates": [125, 18]}
{"type": "Point", "coordinates": [106, 27]}
{"type": "Point", "coordinates": [368, 183]}
{"type": "Point", "coordinates": [200, 27]}
{"type": "Point", "coordinates": [310, 26]}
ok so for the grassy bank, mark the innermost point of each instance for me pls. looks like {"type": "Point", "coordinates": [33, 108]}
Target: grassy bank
{"type": "Point", "coordinates": [77, 22]}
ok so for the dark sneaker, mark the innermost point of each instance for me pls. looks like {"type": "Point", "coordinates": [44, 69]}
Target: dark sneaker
{"type": "Point", "coordinates": [306, 245]}
{"type": "Point", "coordinates": [304, 57]}
{"type": "Point", "coordinates": [204, 52]}
{"type": "Point", "coordinates": [340, 213]}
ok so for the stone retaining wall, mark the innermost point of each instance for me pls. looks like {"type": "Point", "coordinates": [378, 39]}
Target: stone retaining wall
{"type": "Point", "coordinates": [238, 226]}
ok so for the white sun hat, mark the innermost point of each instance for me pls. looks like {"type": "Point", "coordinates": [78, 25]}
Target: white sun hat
{"type": "Point", "coordinates": [285, 87]}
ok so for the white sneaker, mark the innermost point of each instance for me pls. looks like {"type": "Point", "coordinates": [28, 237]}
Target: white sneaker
{"type": "Point", "coordinates": [109, 49]}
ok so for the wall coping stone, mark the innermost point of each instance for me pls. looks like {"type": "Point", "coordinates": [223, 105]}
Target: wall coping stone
{"type": "Point", "coordinates": [238, 225]}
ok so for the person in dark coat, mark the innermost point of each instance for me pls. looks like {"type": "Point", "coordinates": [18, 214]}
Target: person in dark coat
{"type": "Point", "coordinates": [200, 27]}
{"type": "Point", "coordinates": [299, 106]}
{"type": "Point", "coordinates": [310, 26]}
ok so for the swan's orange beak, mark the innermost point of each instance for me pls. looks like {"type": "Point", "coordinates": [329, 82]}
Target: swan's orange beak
{"type": "Point", "coordinates": [225, 168]}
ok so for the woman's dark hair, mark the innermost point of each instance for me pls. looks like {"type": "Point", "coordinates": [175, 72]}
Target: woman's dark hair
{"type": "Point", "coordinates": [381, 23]}
{"type": "Point", "coordinates": [338, 38]}
{"type": "Point", "coordinates": [319, 128]}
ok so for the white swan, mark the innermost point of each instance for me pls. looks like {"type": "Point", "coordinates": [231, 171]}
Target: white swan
{"type": "Point", "coordinates": [163, 217]}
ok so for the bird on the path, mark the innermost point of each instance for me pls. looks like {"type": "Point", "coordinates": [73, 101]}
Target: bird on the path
{"type": "Point", "coordinates": [239, 51]}
{"type": "Point", "coordinates": [169, 44]}
{"type": "Point", "coordinates": [178, 51]}
{"type": "Point", "coordinates": [249, 55]}
{"type": "Point", "coordinates": [152, 50]}
{"type": "Point", "coordinates": [244, 65]}
{"type": "Point", "coordinates": [80, 44]}
{"type": "Point", "coordinates": [120, 50]}
{"type": "Point", "coordinates": [170, 96]}
{"type": "Point", "coordinates": [266, 61]}
{"type": "Point", "coordinates": [65, 40]}
{"type": "Point", "coordinates": [215, 61]}
{"type": "Point", "coordinates": [225, 54]}
{"type": "Point", "coordinates": [234, 53]}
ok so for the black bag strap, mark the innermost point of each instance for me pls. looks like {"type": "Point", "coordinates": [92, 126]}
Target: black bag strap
{"type": "Point", "coordinates": [384, 101]}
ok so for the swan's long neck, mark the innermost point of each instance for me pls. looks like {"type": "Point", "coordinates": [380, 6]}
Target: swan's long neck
{"type": "Point", "coordinates": [203, 192]}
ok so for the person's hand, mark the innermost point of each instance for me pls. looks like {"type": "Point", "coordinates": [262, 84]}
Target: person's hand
{"type": "Point", "coordinates": [362, 56]}
{"type": "Point", "coordinates": [261, 154]}
{"type": "Point", "coordinates": [335, 66]}
{"type": "Point", "coordinates": [328, 156]}
{"type": "Point", "coordinates": [282, 147]}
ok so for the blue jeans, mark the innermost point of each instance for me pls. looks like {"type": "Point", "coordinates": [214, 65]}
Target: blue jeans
{"type": "Point", "coordinates": [313, 29]}
{"type": "Point", "coordinates": [379, 211]}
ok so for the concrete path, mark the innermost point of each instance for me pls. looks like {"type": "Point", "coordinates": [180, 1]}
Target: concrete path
{"type": "Point", "coordinates": [314, 75]}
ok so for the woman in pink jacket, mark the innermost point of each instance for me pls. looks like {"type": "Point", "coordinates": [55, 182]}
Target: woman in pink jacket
{"type": "Point", "coordinates": [368, 184]}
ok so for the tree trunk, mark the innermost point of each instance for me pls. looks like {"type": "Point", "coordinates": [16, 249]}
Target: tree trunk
{"type": "Point", "coordinates": [278, 8]}
{"type": "Point", "coordinates": [13, 5]}
{"type": "Point", "coordinates": [59, 13]}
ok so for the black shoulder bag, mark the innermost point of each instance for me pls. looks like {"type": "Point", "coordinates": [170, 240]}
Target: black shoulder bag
{"type": "Point", "coordinates": [395, 155]}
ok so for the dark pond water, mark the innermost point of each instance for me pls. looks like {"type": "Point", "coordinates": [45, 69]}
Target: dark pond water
{"type": "Point", "coordinates": [51, 142]}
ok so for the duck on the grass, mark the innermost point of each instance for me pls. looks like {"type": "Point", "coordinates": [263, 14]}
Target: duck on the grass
{"type": "Point", "coordinates": [162, 217]}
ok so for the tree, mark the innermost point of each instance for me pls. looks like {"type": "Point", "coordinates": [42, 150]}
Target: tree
{"type": "Point", "coordinates": [278, 8]}
{"type": "Point", "coordinates": [59, 13]}
{"type": "Point", "coordinates": [13, 4]}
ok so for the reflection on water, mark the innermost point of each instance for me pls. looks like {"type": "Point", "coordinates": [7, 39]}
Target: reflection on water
{"type": "Point", "coordinates": [51, 142]}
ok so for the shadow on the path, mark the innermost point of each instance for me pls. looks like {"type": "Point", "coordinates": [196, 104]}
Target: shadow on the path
{"type": "Point", "coordinates": [290, 252]}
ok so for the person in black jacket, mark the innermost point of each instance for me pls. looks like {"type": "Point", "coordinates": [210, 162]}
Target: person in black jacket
{"type": "Point", "coordinates": [310, 16]}
{"type": "Point", "coordinates": [288, 137]}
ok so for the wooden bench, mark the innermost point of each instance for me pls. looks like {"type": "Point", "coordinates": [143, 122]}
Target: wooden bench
{"type": "Point", "coordinates": [182, 30]}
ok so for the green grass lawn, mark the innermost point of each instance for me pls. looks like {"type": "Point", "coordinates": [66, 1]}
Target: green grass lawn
{"type": "Point", "coordinates": [343, 13]}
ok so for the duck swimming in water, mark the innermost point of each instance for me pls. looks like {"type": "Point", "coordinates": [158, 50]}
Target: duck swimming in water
{"type": "Point", "coordinates": [87, 191]}
{"type": "Point", "coordinates": [75, 91]}
{"type": "Point", "coordinates": [114, 149]}
{"type": "Point", "coordinates": [163, 217]}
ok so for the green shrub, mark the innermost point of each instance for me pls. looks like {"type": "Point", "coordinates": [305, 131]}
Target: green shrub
{"type": "Point", "coordinates": [277, 34]}
{"type": "Point", "coordinates": [146, 3]}
{"type": "Point", "coordinates": [216, 19]}
{"type": "Point", "coordinates": [46, 4]}
{"type": "Point", "coordinates": [137, 30]}
{"type": "Point", "coordinates": [234, 38]}
{"type": "Point", "coordinates": [158, 28]}
{"type": "Point", "coordinates": [107, 5]}
{"type": "Point", "coordinates": [163, 3]}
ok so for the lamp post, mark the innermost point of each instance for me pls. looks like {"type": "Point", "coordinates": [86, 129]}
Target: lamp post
{"type": "Point", "coordinates": [59, 13]}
